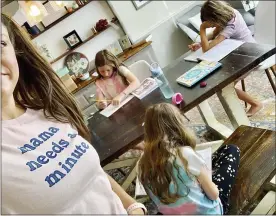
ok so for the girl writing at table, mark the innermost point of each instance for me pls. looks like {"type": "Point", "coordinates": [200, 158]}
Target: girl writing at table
{"type": "Point", "coordinates": [228, 23]}
{"type": "Point", "coordinates": [49, 166]}
{"type": "Point", "coordinates": [115, 81]}
{"type": "Point", "coordinates": [174, 175]}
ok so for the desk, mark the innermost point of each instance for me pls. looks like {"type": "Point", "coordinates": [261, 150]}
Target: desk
{"type": "Point", "coordinates": [237, 64]}
{"type": "Point", "coordinates": [114, 135]}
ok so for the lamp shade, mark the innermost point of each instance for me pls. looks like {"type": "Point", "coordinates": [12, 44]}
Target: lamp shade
{"type": "Point", "coordinates": [57, 5]}
{"type": "Point", "coordinates": [34, 11]}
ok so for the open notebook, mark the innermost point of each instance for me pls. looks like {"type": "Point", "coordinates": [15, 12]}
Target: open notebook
{"type": "Point", "coordinates": [216, 53]}
{"type": "Point", "coordinates": [206, 154]}
{"type": "Point", "coordinates": [146, 87]}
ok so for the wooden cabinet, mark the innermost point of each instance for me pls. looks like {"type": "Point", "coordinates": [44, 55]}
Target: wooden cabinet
{"type": "Point", "coordinates": [81, 101]}
{"type": "Point", "coordinates": [90, 93]}
{"type": "Point", "coordinates": [89, 112]}
{"type": "Point", "coordinates": [86, 96]}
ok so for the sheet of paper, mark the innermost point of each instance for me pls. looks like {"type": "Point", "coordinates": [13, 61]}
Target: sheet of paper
{"type": "Point", "coordinates": [108, 111]}
{"type": "Point", "coordinates": [221, 50]}
{"type": "Point", "coordinates": [216, 53]}
{"type": "Point", "coordinates": [139, 189]}
{"type": "Point", "coordinates": [194, 55]}
{"type": "Point", "coordinates": [206, 154]}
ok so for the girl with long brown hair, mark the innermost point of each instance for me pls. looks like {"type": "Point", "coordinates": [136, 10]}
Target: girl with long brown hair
{"type": "Point", "coordinates": [48, 164]}
{"type": "Point", "coordinates": [228, 23]}
{"type": "Point", "coordinates": [115, 81]}
{"type": "Point", "coordinates": [174, 175]}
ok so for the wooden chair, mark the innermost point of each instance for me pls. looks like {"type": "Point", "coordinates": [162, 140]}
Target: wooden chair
{"type": "Point", "coordinates": [267, 204]}
{"type": "Point", "coordinates": [257, 168]}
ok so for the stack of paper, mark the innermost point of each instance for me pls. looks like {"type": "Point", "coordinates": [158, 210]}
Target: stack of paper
{"type": "Point", "coordinates": [217, 53]}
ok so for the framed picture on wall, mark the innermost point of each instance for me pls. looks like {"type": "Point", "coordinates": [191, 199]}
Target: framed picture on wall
{"type": "Point", "coordinates": [72, 39]}
{"type": "Point", "coordinates": [140, 3]}
{"type": "Point", "coordinates": [125, 42]}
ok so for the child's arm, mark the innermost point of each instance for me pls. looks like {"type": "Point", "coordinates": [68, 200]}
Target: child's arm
{"type": "Point", "coordinates": [134, 83]}
{"type": "Point", "coordinates": [197, 167]}
{"type": "Point", "coordinates": [101, 100]}
{"type": "Point", "coordinates": [211, 36]}
{"type": "Point", "coordinates": [206, 45]}
{"type": "Point", "coordinates": [215, 33]}
{"type": "Point", "coordinates": [207, 185]}
{"type": "Point", "coordinates": [124, 197]}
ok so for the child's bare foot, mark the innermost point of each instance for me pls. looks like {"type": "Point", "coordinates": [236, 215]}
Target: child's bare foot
{"type": "Point", "coordinates": [254, 109]}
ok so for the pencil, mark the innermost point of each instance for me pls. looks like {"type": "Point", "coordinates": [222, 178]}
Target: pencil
{"type": "Point", "coordinates": [102, 100]}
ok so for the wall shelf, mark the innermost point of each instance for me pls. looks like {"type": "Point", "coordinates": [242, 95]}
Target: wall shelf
{"type": "Point", "coordinates": [85, 41]}
{"type": "Point", "coordinates": [60, 19]}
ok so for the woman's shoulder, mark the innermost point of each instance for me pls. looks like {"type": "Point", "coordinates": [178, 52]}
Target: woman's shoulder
{"type": "Point", "coordinates": [30, 116]}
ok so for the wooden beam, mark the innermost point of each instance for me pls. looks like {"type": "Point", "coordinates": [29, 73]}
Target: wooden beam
{"type": "Point", "coordinates": [211, 121]}
{"type": "Point", "coordinates": [232, 106]}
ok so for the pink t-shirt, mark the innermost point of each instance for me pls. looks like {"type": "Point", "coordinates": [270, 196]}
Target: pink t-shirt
{"type": "Point", "coordinates": [47, 168]}
{"type": "Point", "coordinates": [237, 29]}
{"type": "Point", "coordinates": [107, 89]}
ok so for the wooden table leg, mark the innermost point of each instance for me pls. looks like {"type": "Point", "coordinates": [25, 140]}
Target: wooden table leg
{"type": "Point", "coordinates": [130, 178]}
{"type": "Point", "coordinates": [211, 121]}
{"type": "Point", "coordinates": [232, 106]}
{"type": "Point", "coordinates": [270, 80]}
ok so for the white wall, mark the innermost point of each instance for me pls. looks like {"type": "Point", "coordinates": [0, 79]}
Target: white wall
{"type": "Point", "coordinates": [156, 18]}
{"type": "Point", "coordinates": [82, 21]}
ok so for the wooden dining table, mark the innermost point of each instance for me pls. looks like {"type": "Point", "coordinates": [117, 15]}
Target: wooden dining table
{"type": "Point", "coordinates": [116, 134]}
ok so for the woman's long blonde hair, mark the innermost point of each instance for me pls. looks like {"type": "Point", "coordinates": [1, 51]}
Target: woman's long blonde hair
{"type": "Point", "coordinates": [164, 133]}
{"type": "Point", "coordinates": [105, 57]}
{"type": "Point", "coordinates": [217, 12]}
{"type": "Point", "coordinates": [38, 86]}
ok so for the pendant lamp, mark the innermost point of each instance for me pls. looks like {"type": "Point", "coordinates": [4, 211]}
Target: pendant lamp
{"type": "Point", "coordinates": [34, 11]}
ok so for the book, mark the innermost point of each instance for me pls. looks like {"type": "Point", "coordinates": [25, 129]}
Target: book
{"type": "Point", "coordinates": [197, 73]}
{"type": "Point", "coordinates": [206, 155]}
{"type": "Point", "coordinates": [139, 189]}
{"type": "Point", "coordinates": [217, 53]}
{"type": "Point", "coordinates": [146, 87]}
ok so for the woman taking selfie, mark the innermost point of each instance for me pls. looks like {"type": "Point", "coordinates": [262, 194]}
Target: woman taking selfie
{"type": "Point", "coordinates": [48, 164]}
